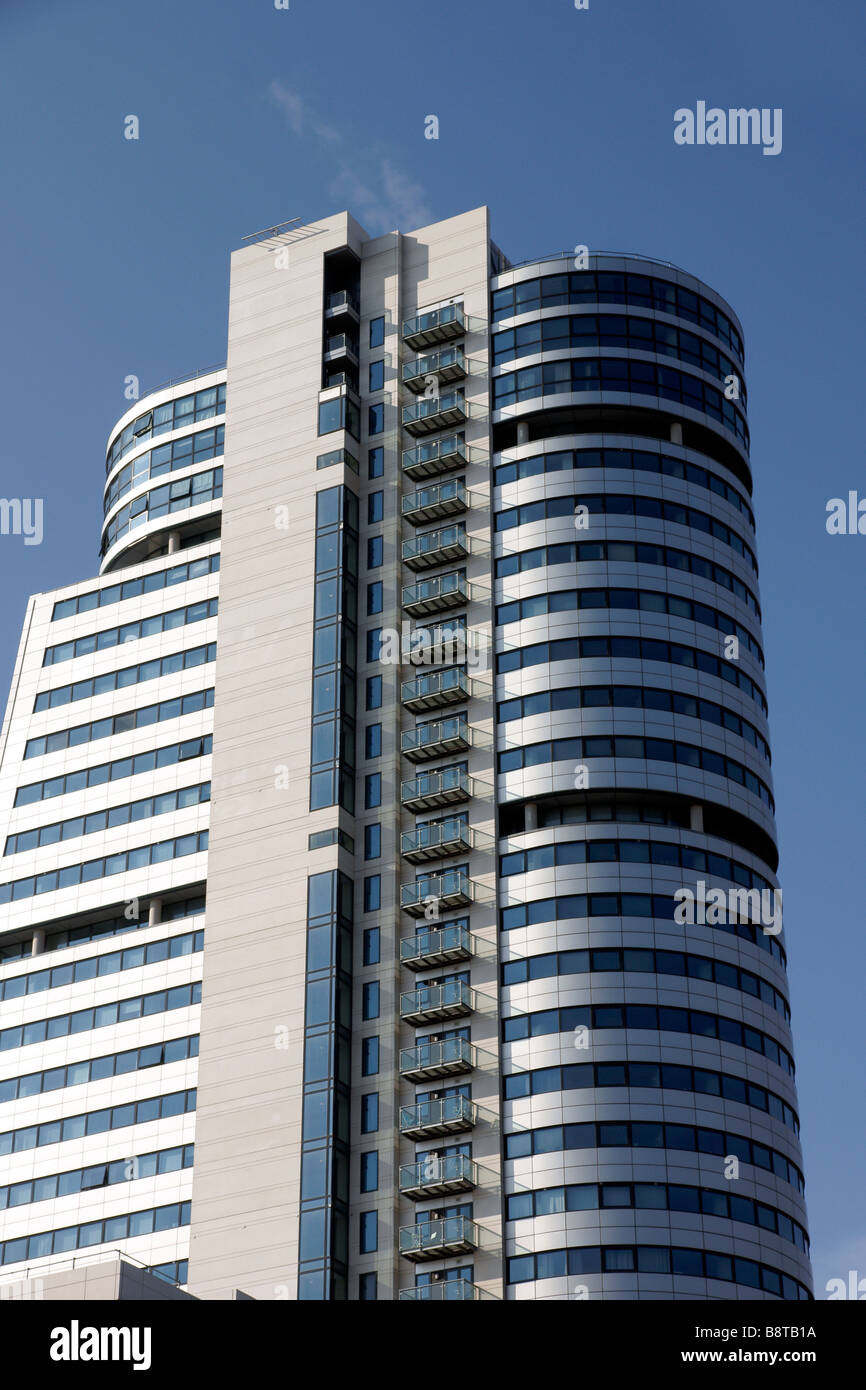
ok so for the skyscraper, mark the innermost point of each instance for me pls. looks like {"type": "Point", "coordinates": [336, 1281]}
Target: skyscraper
{"type": "Point", "coordinates": [428, 887]}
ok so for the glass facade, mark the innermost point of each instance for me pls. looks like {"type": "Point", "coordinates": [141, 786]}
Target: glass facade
{"type": "Point", "coordinates": [661, 561]}
{"type": "Point", "coordinates": [332, 755]}
{"type": "Point", "coordinates": [324, 1238]}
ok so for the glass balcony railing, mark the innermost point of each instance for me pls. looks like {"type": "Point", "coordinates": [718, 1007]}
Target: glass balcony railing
{"type": "Point", "coordinates": [448, 364]}
{"type": "Point", "coordinates": [439, 947]}
{"type": "Point", "coordinates": [434, 326]}
{"type": "Point", "coordinates": [348, 379]}
{"type": "Point", "coordinates": [438, 644]}
{"type": "Point", "coordinates": [442, 499]}
{"type": "Point", "coordinates": [432, 595]}
{"type": "Point", "coordinates": [437, 540]}
{"type": "Point", "coordinates": [450, 889]}
{"type": "Point", "coordinates": [341, 301]}
{"type": "Point", "coordinates": [445, 1058]}
{"type": "Point", "coordinates": [436, 841]}
{"type": "Point", "coordinates": [341, 345]}
{"type": "Point", "coordinates": [450, 1115]}
{"type": "Point", "coordinates": [440, 788]}
{"type": "Point", "coordinates": [434, 413]}
{"type": "Point", "coordinates": [436, 547]}
{"type": "Point", "coordinates": [445, 687]}
{"type": "Point", "coordinates": [436, 456]}
{"type": "Point", "coordinates": [430, 1240]}
{"type": "Point", "coordinates": [453, 998]}
{"type": "Point", "coordinates": [430, 740]}
{"type": "Point", "coordinates": [445, 1291]}
{"type": "Point", "coordinates": [450, 1173]}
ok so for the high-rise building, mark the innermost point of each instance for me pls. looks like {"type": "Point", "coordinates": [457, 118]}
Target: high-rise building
{"type": "Point", "coordinates": [408, 927]}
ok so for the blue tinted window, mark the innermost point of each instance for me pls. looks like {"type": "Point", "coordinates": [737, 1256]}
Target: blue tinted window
{"type": "Point", "coordinates": [369, 1056]}
{"type": "Point", "coordinates": [370, 1113]}
{"type": "Point", "coordinates": [372, 893]}
{"type": "Point", "coordinates": [369, 1236]}
{"type": "Point", "coordinates": [331, 415]}
{"type": "Point", "coordinates": [369, 1172]}
{"type": "Point", "coordinates": [371, 946]}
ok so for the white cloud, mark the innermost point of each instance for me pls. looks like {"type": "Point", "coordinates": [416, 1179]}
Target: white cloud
{"type": "Point", "coordinates": [406, 197]}
{"type": "Point", "coordinates": [300, 116]}
{"type": "Point", "coordinates": [379, 194]}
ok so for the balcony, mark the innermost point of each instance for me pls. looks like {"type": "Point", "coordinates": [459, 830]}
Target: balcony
{"type": "Point", "coordinates": [436, 738]}
{"type": "Point", "coordinates": [436, 456]}
{"type": "Point", "coordinates": [341, 346]}
{"type": "Point", "coordinates": [447, 786]}
{"type": "Point", "coordinates": [436, 547]}
{"type": "Point", "coordinates": [436, 1177]}
{"type": "Point", "coordinates": [435, 689]}
{"type": "Point", "coordinates": [436, 840]}
{"type": "Point", "coordinates": [342, 302]}
{"type": "Point", "coordinates": [438, 644]}
{"type": "Point", "coordinates": [436, 326]}
{"type": "Point", "coordinates": [340, 378]}
{"type": "Point", "coordinates": [432, 1118]}
{"type": "Point", "coordinates": [432, 1003]}
{"type": "Point", "coordinates": [453, 888]}
{"type": "Point", "coordinates": [448, 364]}
{"type": "Point", "coordinates": [431, 503]}
{"type": "Point", "coordinates": [435, 1240]}
{"type": "Point", "coordinates": [442, 946]}
{"type": "Point", "coordinates": [430, 1061]}
{"type": "Point", "coordinates": [426, 416]}
{"type": "Point", "coordinates": [447, 1291]}
{"type": "Point", "coordinates": [436, 595]}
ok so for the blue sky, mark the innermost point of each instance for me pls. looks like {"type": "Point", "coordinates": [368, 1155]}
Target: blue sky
{"type": "Point", "coordinates": [115, 260]}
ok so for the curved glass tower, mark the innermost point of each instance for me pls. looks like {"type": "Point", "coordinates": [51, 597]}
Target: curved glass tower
{"type": "Point", "coordinates": [163, 472]}
{"type": "Point", "coordinates": [105, 788]}
{"type": "Point", "coordinates": [650, 1127]}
